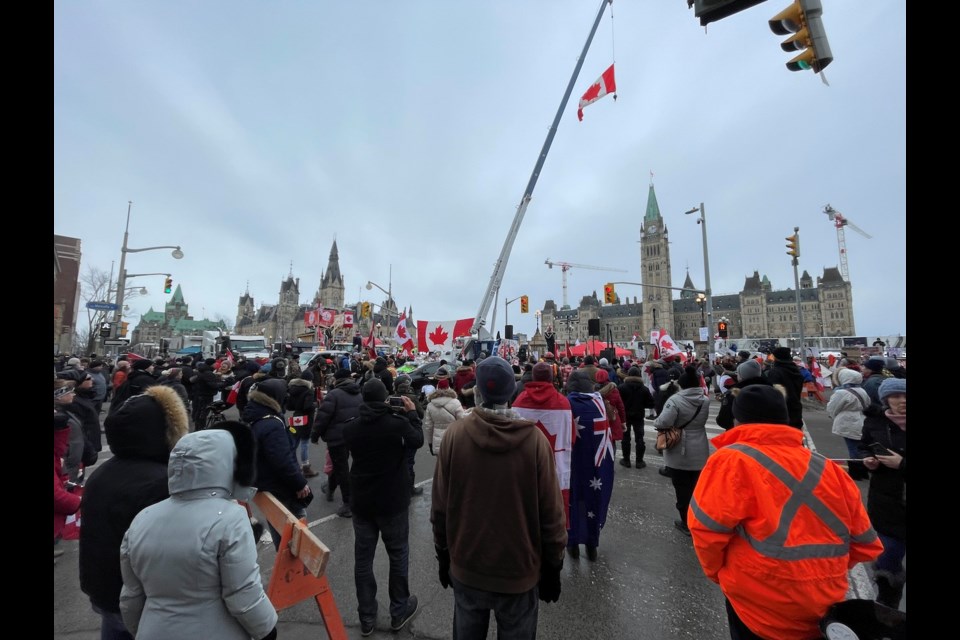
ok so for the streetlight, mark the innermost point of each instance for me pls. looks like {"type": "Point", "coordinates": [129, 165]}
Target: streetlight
{"type": "Point", "coordinates": [702, 221]}
{"type": "Point", "coordinates": [122, 277]}
{"type": "Point", "coordinates": [701, 300]}
{"type": "Point", "coordinates": [536, 314]}
{"type": "Point", "coordinates": [389, 291]}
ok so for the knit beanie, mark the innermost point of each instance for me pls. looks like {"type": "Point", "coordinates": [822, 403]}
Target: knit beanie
{"type": "Point", "coordinates": [874, 365]}
{"type": "Point", "coordinates": [891, 386]}
{"type": "Point", "coordinates": [374, 391]}
{"type": "Point", "coordinates": [633, 371]}
{"type": "Point", "coordinates": [443, 383]}
{"type": "Point", "coordinates": [689, 378]}
{"type": "Point", "coordinates": [495, 380]}
{"type": "Point", "coordinates": [748, 369]}
{"type": "Point", "coordinates": [542, 372]}
{"type": "Point", "coordinates": [760, 403]}
{"type": "Point", "coordinates": [141, 365]}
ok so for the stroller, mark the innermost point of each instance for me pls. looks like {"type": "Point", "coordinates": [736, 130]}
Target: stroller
{"type": "Point", "coordinates": [863, 620]}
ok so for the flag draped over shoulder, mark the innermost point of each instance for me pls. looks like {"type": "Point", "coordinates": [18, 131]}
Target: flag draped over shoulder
{"type": "Point", "coordinates": [605, 84]}
{"type": "Point", "coordinates": [555, 420]}
{"type": "Point", "coordinates": [438, 336]}
{"type": "Point", "coordinates": [591, 469]}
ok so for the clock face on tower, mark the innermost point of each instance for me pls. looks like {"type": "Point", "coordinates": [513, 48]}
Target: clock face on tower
{"type": "Point", "coordinates": [652, 228]}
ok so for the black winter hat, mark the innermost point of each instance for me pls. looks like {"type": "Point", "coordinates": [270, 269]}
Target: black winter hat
{"type": "Point", "coordinates": [874, 365]}
{"type": "Point", "coordinates": [306, 375]}
{"type": "Point", "coordinates": [760, 403]}
{"type": "Point", "coordinates": [374, 391]}
{"type": "Point", "coordinates": [245, 465]}
{"type": "Point", "coordinates": [342, 373]}
{"type": "Point", "coordinates": [274, 389]}
{"type": "Point", "coordinates": [141, 365]}
{"type": "Point", "coordinates": [689, 378]}
{"type": "Point", "coordinates": [496, 381]}
{"type": "Point", "coordinates": [782, 353]}
{"type": "Point", "coordinates": [633, 371]}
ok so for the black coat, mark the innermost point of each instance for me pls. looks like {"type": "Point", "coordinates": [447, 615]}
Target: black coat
{"type": "Point", "coordinates": [84, 407]}
{"type": "Point", "coordinates": [302, 401]}
{"type": "Point", "coordinates": [887, 497]}
{"type": "Point", "coordinates": [787, 373]}
{"type": "Point", "coordinates": [379, 477]}
{"type": "Point", "coordinates": [340, 405]}
{"type": "Point", "coordinates": [135, 384]}
{"type": "Point", "coordinates": [277, 468]}
{"type": "Point", "coordinates": [725, 414]}
{"type": "Point", "coordinates": [636, 398]}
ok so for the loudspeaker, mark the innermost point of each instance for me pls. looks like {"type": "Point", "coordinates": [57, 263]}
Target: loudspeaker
{"type": "Point", "coordinates": [508, 332]}
{"type": "Point", "coordinates": [593, 326]}
{"type": "Point", "coordinates": [609, 354]}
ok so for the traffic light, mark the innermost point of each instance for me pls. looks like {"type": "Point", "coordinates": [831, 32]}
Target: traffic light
{"type": "Point", "coordinates": [524, 304]}
{"type": "Point", "coordinates": [104, 329]}
{"type": "Point", "coordinates": [364, 309]}
{"type": "Point", "coordinates": [802, 19]}
{"type": "Point", "coordinates": [712, 10]}
{"type": "Point", "coordinates": [793, 245]}
{"type": "Point", "coordinates": [722, 329]}
{"type": "Point", "coordinates": [168, 285]}
{"type": "Point", "coordinates": [609, 293]}
{"type": "Point", "coordinates": [123, 329]}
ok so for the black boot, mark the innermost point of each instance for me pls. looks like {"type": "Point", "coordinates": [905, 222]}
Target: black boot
{"type": "Point", "coordinates": [414, 489]}
{"type": "Point", "coordinates": [890, 588]}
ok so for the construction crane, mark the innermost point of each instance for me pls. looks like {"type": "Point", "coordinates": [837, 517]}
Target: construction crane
{"type": "Point", "coordinates": [566, 266]}
{"type": "Point", "coordinates": [840, 221]}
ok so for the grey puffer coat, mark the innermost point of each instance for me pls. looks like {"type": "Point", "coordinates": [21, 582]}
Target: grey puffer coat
{"type": "Point", "coordinates": [194, 553]}
{"type": "Point", "coordinates": [443, 407]}
{"type": "Point", "coordinates": [846, 407]}
{"type": "Point", "coordinates": [691, 453]}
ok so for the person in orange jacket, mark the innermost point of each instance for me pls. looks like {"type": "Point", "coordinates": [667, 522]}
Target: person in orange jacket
{"type": "Point", "coordinates": [776, 526]}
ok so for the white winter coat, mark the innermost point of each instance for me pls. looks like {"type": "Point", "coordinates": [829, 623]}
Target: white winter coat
{"type": "Point", "coordinates": [846, 407]}
{"type": "Point", "coordinates": [189, 562]}
{"type": "Point", "coordinates": [443, 407]}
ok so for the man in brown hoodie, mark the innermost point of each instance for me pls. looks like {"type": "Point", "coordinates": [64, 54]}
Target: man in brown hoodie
{"type": "Point", "coordinates": [493, 462]}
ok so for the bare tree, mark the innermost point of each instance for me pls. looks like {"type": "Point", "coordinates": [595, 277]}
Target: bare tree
{"type": "Point", "coordinates": [96, 286]}
{"type": "Point", "coordinates": [225, 321]}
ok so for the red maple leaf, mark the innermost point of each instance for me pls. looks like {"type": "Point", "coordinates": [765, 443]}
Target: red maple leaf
{"type": "Point", "coordinates": [402, 332]}
{"type": "Point", "coordinates": [439, 336]}
{"type": "Point", "coordinates": [552, 437]}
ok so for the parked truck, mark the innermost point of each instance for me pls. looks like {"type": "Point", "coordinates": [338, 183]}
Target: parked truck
{"type": "Point", "coordinates": [215, 343]}
{"type": "Point", "coordinates": [185, 345]}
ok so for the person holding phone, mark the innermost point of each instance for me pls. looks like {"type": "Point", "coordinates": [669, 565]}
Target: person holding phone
{"type": "Point", "coordinates": [883, 446]}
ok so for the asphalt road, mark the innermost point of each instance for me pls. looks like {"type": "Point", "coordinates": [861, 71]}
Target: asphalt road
{"type": "Point", "coordinates": [646, 584]}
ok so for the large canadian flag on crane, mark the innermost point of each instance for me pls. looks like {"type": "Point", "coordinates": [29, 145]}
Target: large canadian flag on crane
{"type": "Point", "coordinates": [605, 84]}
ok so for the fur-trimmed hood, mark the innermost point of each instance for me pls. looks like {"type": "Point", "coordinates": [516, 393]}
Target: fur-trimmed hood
{"type": "Point", "coordinates": [300, 382]}
{"type": "Point", "coordinates": [442, 393]}
{"type": "Point", "coordinates": [147, 425]}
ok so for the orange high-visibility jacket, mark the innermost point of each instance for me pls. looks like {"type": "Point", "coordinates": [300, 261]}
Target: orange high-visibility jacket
{"type": "Point", "coordinates": [778, 527]}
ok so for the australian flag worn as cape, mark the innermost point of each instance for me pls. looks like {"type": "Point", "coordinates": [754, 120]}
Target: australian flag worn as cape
{"type": "Point", "coordinates": [591, 469]}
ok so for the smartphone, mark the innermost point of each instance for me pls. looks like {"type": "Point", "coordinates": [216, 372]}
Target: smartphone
{"type": "Point", "coordinates": [396, 401]}
{"type": "Point", "coordinates": [878, 449]}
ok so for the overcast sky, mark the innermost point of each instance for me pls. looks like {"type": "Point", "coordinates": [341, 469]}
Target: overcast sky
{"type": "Point", "coordinates": [253, 134]}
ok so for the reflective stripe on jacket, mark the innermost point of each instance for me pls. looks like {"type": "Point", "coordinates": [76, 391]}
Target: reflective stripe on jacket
{"type": "Point", "coordinates": [778, 528]}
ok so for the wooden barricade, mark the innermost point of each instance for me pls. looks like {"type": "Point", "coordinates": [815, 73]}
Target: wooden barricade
{"type": "Point", "coordinates": [298, 571]}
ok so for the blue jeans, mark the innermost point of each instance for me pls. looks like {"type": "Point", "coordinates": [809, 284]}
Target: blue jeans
{"type": "Point", "coordinates": [516, 613]}
{"type": "Point", "coordinates": [304, 447]}
{"type": "Point", "coordinates": [894, 551]}
{"type": "Point", "coordinates": [395, 531]}
{"type": "Point", "coordinates": [111, 625]}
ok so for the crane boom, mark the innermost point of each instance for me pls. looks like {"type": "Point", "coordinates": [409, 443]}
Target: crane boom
{"type": "Point", "coordinates": [500, 268]}
{"type": "Point", "coordinates": [840, 221]}
{"type": "Point", "coordinates": [566, 266]}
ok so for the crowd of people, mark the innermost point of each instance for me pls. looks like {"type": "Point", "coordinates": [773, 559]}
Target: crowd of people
{"type": "Point", "coordinates": [536, 442]}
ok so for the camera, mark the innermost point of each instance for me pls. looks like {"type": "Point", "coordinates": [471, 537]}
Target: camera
{"type": "Point", "coordinates": [396, 401]}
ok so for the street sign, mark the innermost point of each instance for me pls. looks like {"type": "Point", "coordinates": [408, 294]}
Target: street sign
{"type": "Point", "coordinates": [120, 342]}
{"type": "Point", "coordinates": [102, 306]}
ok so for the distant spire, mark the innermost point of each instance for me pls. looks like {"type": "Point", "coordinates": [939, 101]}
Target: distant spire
{"type": "Point", "coordinates": [248, 287]}
{"type": "Point", "coordinates": [290, 275]}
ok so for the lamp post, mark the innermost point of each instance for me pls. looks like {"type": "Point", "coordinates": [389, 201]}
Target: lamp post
{"type": "Point", "coordinates": [702, 221]}
{"type": "Point", "coordinates": [389, 291]}
{"type": "Point", "coordinates": [122, 277]}
{"type": "Point", "coordinates": [701, 300]}
{"type": "Point", "coordinates": [536, 314]}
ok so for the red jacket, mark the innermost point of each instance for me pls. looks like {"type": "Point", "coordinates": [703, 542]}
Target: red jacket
{"type": "Point", "coordinates": [64, 502]}
{"type": "Point", "coordinates": [778, 527]}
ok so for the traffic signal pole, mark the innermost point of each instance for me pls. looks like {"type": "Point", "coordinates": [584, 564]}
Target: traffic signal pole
{"type": "Point", "coordinates": [796, 283]}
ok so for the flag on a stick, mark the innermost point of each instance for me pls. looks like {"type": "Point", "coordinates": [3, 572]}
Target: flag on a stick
{"type": "Point", "coordinates": [605, 84]}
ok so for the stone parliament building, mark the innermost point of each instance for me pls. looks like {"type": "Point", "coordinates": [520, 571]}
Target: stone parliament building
{"type": "Point", "coordinates": [757, 311]}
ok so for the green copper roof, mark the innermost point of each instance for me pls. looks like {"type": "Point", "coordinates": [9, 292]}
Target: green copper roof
{"type": "Point", "coordinates": [653, 209]}
{"type": "Point", "coordinates": [152, 316]}
{"type": "Point", "coordinates": [185, 326]}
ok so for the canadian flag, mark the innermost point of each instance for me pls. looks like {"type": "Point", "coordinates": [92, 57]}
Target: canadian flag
{"type": "Point", "coordinates": [666, 345]}
{"type": "Point", "coordinates": [402, 336]}
{"type": "Point", "coordinates": [310, 318]}
{"type": "Point", "coordinates": [347, 319]}
{"type": "Point", "coordinates": [438, 336]}
{"type": "Point", "coordinates": [605, 84]}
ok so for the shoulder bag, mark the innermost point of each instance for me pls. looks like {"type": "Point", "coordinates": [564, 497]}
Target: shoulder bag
{"type": "Point", "coordinates": [668, 438]}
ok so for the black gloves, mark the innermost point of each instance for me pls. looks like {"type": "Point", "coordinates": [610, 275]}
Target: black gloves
{"type": "Point", "coordinates": [549, 581]}
{"type": "Point", "coordinates": [431, 449]}
{"type": "Point", "coordinates": [443, 555]}
{"type": "Point", "coordinates": [271, 636]}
